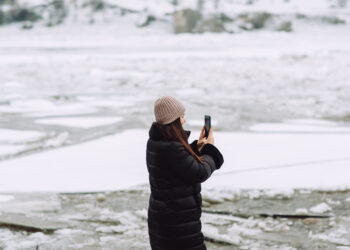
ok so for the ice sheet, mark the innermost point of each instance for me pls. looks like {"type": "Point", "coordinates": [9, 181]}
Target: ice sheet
{"type": "Point", "coordinates": [252, 160]}
{"type": "Point", "coordinates": [81, 122]}
{"type": "Point", "coordinates": [11, 135]}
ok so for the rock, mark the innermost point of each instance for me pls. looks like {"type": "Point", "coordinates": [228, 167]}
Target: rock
{"type": "Point", "coordinates": [145, 19]}
{"type": "Point", "coordinates": [205, 204]}
{"type": "Point", "coordinates": [325, 19]}
{"type": "Point", "coordinates": [332, 223]}
{"type": "Point", "coordinates": [226, 18]}
{"type": "Point", "coordinates": [22, 14]}
{"type": "Point", "coordinates": [285, 26]}
{"type": "Point", "coordinates": [56, 12]}
{"type": "Point", "coordinates": [27, 26]}
{"type": "Point", "coordinates": [30, 223]}
{"type": "Point", "coordinates": [2, 17]}
{"type": "Point", "coordinates": [300, 16]}
{"type": "Point", "coordinates": [332, 20]}
{"type": "Point", "coordinates": [251, 21]}
{"type": "Point", "coordinates": [101, 197]}
{"type": "Point", "coordinates": [310, 221]}
{"type": "Point", "coordinates": [342, 3]}
{"type": "Point", "coordinates": [259, 19]}
{"type": "Point", "coordinates": [96, 5]}
{"type": "Point", "coordinates": [212, 24]}
{"type": "Point", "coordinates": [185, 20]}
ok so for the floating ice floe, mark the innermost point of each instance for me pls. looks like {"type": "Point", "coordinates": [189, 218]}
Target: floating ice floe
{"type": "Point", "coordinates": [338, 236]}
{"type": "Point", "coordinates": [80, 122]}
{"type": "Point", "coordinates": [10, 149]}
{"type": "Point", "coordinates": [321, 208]}
{"type": "Point", "coordinates": [4, 197]}
{"type": "Point", "coordinates": [19, 136]}
{"type": "Point", "coordinates": [301, 211]}
{"type": "Point", "coordinates": [302, 125]}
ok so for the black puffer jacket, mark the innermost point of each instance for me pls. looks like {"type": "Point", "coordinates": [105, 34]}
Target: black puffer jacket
{"type": "Point", "coordinates": [175, 202]}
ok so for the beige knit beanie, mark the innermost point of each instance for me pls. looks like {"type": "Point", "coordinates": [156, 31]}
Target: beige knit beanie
{"type": "Point", "coordinates": [167, 109]}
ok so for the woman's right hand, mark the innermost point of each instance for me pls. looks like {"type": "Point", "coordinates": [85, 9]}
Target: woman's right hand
{"type": "Point", "coordinates": [204, 140]}
{"type": "Point", "coordinates": [210, 138]}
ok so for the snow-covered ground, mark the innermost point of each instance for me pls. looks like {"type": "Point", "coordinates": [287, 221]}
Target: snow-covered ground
{"type": "Point", "coordinates": [258, 159]}
{"type": "Point", "coordinates": [76, 103]}
{"type": "Point", "coordinates": [279, 101]}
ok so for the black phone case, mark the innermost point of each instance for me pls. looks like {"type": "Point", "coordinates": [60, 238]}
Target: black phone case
{"type": "Point", "coordinates": [207, 123]}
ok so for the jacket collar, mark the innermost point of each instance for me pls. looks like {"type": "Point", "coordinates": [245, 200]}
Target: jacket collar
{"type": "Point", "coordinates": [155, 134]}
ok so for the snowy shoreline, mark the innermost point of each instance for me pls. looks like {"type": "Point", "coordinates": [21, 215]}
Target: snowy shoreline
{"type": "Point", "coordinates": [230, 219]}
{"type": "Point", "coordinates": [265, 159]}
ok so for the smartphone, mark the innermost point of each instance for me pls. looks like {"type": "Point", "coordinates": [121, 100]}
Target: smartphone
{"type": "Point", "coordinates": [207, 123]}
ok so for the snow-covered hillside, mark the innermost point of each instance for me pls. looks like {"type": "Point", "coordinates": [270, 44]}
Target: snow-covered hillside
{"type": "Point", "coordinates": [219, 15]}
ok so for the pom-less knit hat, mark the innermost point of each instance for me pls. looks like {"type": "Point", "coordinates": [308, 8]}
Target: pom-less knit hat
{"type": "Point", "coordinates": [167, 109]}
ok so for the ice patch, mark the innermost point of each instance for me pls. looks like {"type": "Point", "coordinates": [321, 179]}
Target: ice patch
{"type": "Point", "coordinates": [301, 211]}
{"type": "Point", "coordinates": [271, 225]}
{"type": "Point", "coordinates": [6, 197]}
{"type": "Point", "coordinates": [252, 160]}
{"type": "Point", "coordinates": [279, 193]}
{"type": "Point", "coordinates": [213, 233]}
{"type": "Point", "coordinates": [10, 149]}
{"type": "Point", "coordinates": [19, 136]}
{"type": "Point", "coordinates": [321, 208]}
{"type": "Point", "coordinates": [297, 127]}
{"type": "Point", "coordinates": [338, 236]}
{"type": "Point", "coordinates": [62, 110]}
{"type": "Point", "coordinates": [102, 164]}
{"type": "Point", "coordinates": [80, 122]}
{"type": "Point", "coordinates": [200, 123]}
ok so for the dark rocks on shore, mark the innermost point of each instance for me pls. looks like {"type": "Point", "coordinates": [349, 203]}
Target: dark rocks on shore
{"type": "Point", "coordinates": [211, 24]}
{"type": "Point", "coordinates": [185, 20]}
{"type": "Point", "coordinates": [191, 21]}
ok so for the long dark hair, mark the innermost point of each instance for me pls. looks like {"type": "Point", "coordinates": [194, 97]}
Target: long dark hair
{"type": "Point", "coordinates": [175, 132]}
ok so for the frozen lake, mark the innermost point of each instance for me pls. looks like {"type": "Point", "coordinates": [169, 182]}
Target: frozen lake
{"type": "Point", "coordinates": [276, 99]}
{"type": "Point", "coordinates": [265, 157]}
{"type": "Point", "coordinates": [76, 104]}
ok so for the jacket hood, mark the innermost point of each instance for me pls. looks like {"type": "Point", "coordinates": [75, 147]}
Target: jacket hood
{"type": "Point", "coordinates": [155, 134]}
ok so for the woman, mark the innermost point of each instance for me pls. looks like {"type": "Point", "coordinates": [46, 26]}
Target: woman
{"type": "Point", "coordinates": [176, 170]}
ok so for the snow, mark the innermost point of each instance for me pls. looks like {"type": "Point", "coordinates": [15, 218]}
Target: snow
{"type": "Point", "coordinates": [6, 198]}
{"type": "Point", "coordinates": [18, 136]}
{"type": "Point", "coordinates": [107, 163]}
{"type": "Point", "coordinates": [37, 203]}
{"type": "Point", "coordinates": [81, 122]}
{"type": "Point", "coordinates": [296, 126]}
{"type": "Point", "coordinates": [213, 233]}
{"type": "Point", "coordinates": [279, 161]}
{"type": "Point", "coordinates": [254, 84]}
{"type": "Point", "coordinates": [10, 149]}
{"type": "Point", "coordinates": [279, 193]}
{"type": "Point", "coordinates": [301, 211]}
{"type": "Point", "coordinates": [200, 123]}
{"type": "Point", "coordinates": [321, 208]}
{"type": "Point", "coordinates": [40, 107]}
{"type": "Point", "coordinates": [338, 236]}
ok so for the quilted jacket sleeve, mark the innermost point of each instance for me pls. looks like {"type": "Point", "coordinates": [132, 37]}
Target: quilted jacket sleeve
{"type": "Point", "coordinates": [195, 147]}
{"type": "Point", "coordinates": [210, 150]}
{"type": "Point", "coordinates": [189, 169]}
